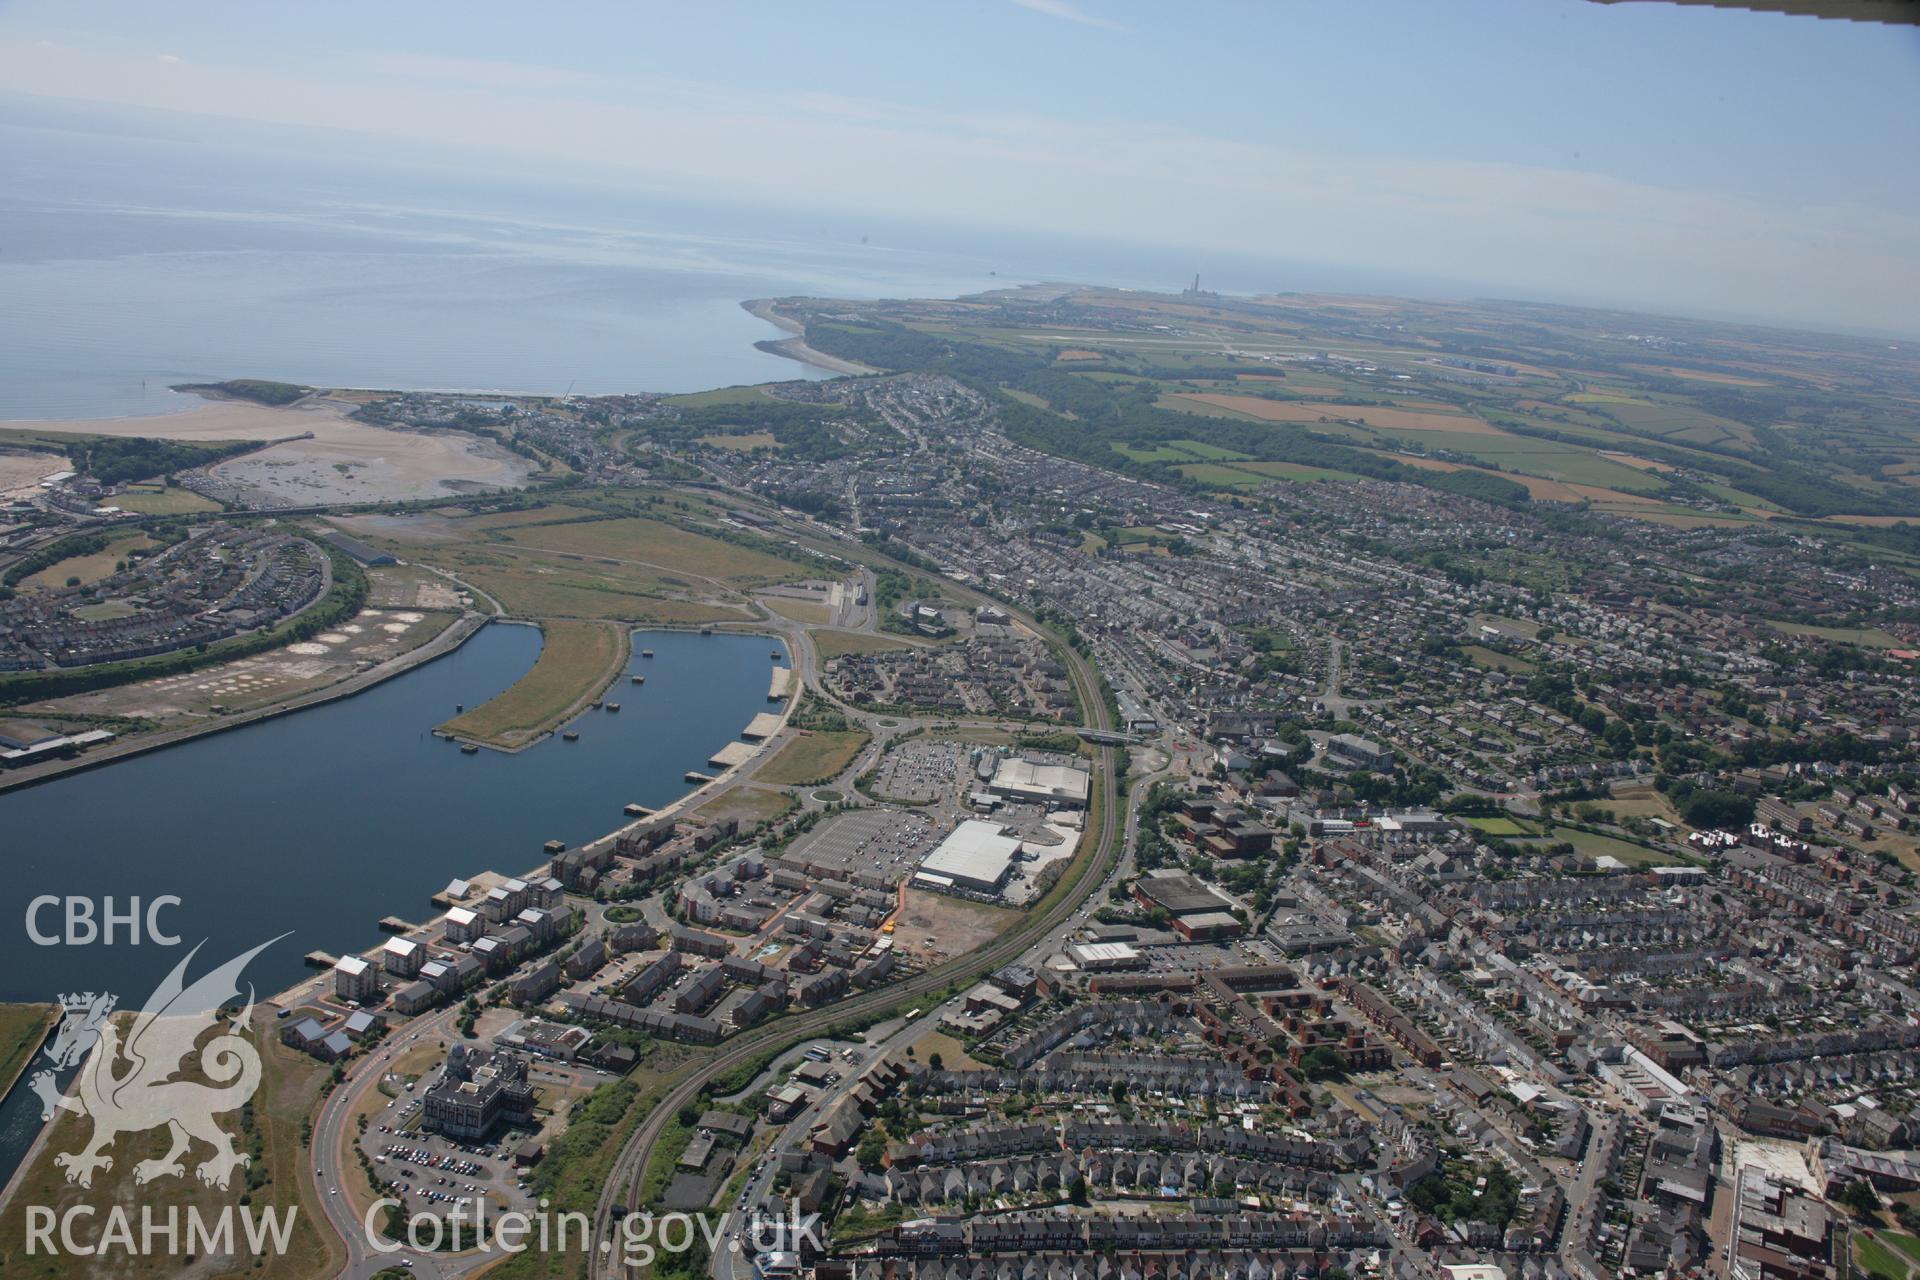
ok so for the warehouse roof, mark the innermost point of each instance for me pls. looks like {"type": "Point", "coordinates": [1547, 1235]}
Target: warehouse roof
{"type": "Point", "coordinates": [1053, 781]}
{"type": "Point", "coordinates": [976, 851]}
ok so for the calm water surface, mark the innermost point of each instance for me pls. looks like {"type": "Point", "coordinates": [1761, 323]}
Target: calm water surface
{"type": "Point", "coordinates": [321, 822]}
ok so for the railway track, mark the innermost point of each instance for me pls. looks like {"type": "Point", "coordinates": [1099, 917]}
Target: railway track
{"type": "Point", "coordinates": [621, 1193]}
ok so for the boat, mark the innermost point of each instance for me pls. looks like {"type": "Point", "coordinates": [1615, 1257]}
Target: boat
{"type": "Point", "coordinates": [468, 749]}
{"type": "Point", "coordinates": [613, 706]}
{"type": "Point", "coordinates": [646, 653]}
{"type": "Point", "coordinates": [775, 655]}
{"type": "Point", "coordinates": [639, 679]}
{"type": "Point", "coordinates": [571, 735]}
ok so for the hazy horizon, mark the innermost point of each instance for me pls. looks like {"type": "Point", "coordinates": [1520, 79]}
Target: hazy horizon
{"type": "Point", "coordinates": [1713, 164]}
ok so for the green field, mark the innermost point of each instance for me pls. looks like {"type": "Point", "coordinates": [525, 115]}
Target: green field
{"type": "Point", "coordinates": [1589, 845]}
{"type": "Point", "coordinates": [1494, 659]}
{"type": "Point", "coordinates": [1871, 637]}
{"type": "Point", "coordinates": [577, 661]}
{"type": "Point", "coordinates": [1505, 828]}
{"type": "Point", "coordinates": [657, 545]}
{"type": "Point", "coordinates": [1909, 1245]}
{"type": "Point", "coordinates": [173, 501]}
{"type": "Point", "coordinates": [1159, 453]}
{"type": "Point", "coordinates": [832, 644]}
{"type": "Point", "coordinates": [1295, 471]}
{"type": "Point", "coordinates": [812, 757]}
{"type": "Point", "coordinates": [1876, 1259]}
{"type": "Point", "coordinates": [1214, 474]}
{"type": "Point", "coordinates": [22, 1028]}
{"type": "Point", "coordinates": [741, 443]}
{"type": "Point", "coordinates": [719, 396]}
{"type": "Point", "coordinates": [104, 611]}
{"type": "Point", "coordinates": [1207, 452]}
{"type": "Point", "coordinates": [91, 568]}
{"type": "Point", "coordinates": [564, 561]}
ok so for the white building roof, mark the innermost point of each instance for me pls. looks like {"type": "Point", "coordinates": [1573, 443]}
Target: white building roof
{"type": "Point", "coordinates": [975, 851]}
{"type": "Point", "coordinates": [1102, 952]}
{"type": "Point", "coordinates": [1055, 781]}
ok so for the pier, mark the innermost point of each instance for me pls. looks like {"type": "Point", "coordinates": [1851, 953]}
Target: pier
{"type": "Point", "coordinates": [731, 755]}
{"type": "Point", "coordinates": [320, 960]}
{"type": "Point", "coordinates": [761, 727]}
{"type": "Point", "coordinates": [782, 684]}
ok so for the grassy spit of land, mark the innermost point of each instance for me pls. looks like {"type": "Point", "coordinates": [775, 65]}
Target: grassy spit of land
{"type": "Point", "coordinates": [577, 663]}
{"type": "Point", "coordinates": [23, 1028]}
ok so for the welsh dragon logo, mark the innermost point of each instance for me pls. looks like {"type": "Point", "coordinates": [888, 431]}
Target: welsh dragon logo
{"type": "Point", "coordinates": [133, 1085]}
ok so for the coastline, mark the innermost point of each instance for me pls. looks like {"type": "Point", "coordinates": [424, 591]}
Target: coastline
{"type": "Point", "coordinates": [795, 348]}
{"type": "Point", "coordinates": [724, 781]}
{"type": "Point", "coordinates": [573, 711]}
{"type": "Point", "coordinates": [463, 629]}
{"type": "Point", "coordinates": [49, 1018]}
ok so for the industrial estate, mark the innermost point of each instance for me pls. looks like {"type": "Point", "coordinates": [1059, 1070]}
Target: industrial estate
{"type": "Point", "coordinates": [1247, 788]}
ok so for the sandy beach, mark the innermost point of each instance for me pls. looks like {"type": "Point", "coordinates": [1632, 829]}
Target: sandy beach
{"type": "Point", "coordinates": [345, 461]}
{"type": "Point", "coordinates": [796, 348]}
{"type": "Point", "coordinates": [21, 473]}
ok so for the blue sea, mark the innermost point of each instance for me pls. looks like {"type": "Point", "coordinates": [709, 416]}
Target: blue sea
{"type": "Point", "coordinates": [138, 254]}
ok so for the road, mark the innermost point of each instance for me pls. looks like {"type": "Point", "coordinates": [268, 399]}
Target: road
{"type": "Point", "coordinates": [735, 1261]}
{"type": "Point", "coordinates": [1042, 930]}
{"type": "Point", "coordinates": [333, 1160]}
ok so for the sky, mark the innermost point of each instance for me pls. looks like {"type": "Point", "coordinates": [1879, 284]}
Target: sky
{"type": "Point", "coordinates": [1687, 159]}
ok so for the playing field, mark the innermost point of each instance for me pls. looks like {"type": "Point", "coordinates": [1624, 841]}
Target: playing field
{"type": "Point", "coordinates": [742, 442]}
{"type": "Point", "coordinates": [1590, 845]}
{"type": "Point", "coordinates": [577, 661]}
{"type": "Point", "coordinates": [173, 501]}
